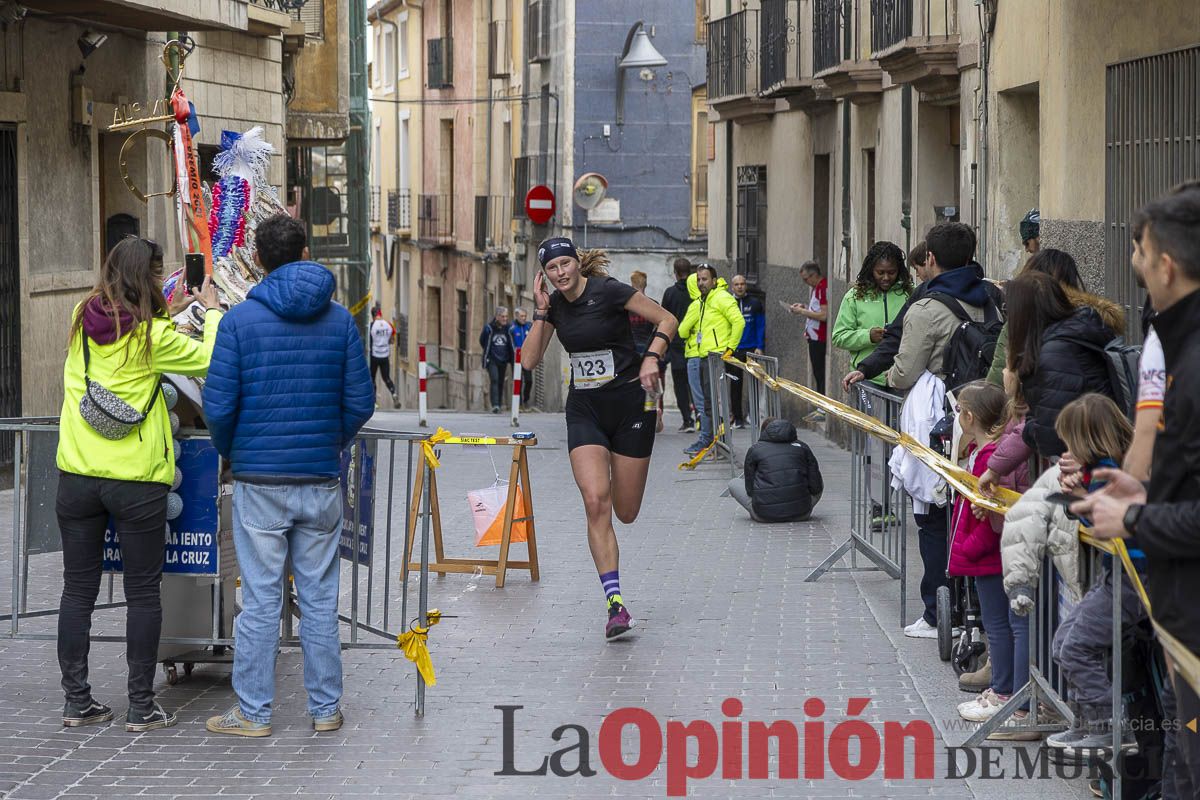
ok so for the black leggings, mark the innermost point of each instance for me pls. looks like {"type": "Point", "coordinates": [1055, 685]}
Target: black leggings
{"type": "Point", "coordinates": [140, 512]}
{"type": "Point", "coordinates": [382, 365]}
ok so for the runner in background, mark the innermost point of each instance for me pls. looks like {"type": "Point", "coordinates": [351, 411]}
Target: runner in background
{"type": "Point", "coordinates": [382, 336]}
{"type": "Point", "coordinates": [611, 404]}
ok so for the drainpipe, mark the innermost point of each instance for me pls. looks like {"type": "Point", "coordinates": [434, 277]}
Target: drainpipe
{"type": "Point", "coordinates": [730, 196]}
{"type": "Point", "coordinates": [987, 25]}
{"type": "Point", "coordinates": [906, 166]}
{"type": "Point", "coordinates": [847, 23]}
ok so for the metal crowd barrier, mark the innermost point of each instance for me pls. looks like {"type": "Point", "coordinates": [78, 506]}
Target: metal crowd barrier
{"type": "Point", "coordinates": [885, 545]}
{"type": "Point", "coordinates": [1046, 686]}
{"type": "Point", "coordinates": [760, 404]}
{"type": "Point", "coordinates": [200, 570]}
{"type": "Point", "coordinates": [756, 403]}
{"type": "Point", "coordinates": [718, 392]}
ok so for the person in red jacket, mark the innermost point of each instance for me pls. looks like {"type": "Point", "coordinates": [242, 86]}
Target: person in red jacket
{"type": "Point", "coordinates": [975, 552]}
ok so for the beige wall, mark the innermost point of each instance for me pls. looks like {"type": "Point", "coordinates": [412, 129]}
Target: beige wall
{"type": "Point", "coordinates": [236, 82]}
{"type": "Point", "coordinates": [1050, 96]}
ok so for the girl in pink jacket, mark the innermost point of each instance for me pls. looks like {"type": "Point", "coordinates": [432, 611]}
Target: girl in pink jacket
{"type": "Point", "coordinates": [975, 552]}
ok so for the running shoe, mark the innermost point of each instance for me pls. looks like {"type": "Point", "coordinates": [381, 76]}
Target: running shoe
{"type": "Point", "coordinates": [686, 426]}
{"type": "Point", "coordinates": [695, 447]}
{"type": "Point", "coordinates": [619, 622]}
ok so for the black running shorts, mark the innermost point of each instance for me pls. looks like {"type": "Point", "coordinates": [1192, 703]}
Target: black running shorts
{"type": "Point", "coordinates": [612, 418]}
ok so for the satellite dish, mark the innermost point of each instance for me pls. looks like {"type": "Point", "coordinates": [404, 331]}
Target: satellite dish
{"type": "Point", "coordinates": [590, 190]}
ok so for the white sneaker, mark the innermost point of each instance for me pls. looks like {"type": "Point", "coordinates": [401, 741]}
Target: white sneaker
{"type": "Point", "coordinates": [983, 707]}
{"type": "Point", "coordinates": [921, 630]}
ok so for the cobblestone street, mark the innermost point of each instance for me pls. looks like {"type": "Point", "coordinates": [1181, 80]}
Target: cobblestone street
{"type": "Point", "coordinates": [722, 609]}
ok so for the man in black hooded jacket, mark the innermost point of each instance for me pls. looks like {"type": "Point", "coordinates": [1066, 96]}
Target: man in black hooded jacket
{"type": "Point", "coordinates": [782, 480]}
{"type": "Point", "coordinates": [676, 299]}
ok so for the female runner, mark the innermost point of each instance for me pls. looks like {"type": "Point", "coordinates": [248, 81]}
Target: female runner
{"type": "Point", "coordinates": [610, 432]}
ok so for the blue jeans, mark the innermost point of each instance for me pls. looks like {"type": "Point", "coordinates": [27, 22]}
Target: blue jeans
{"type": "Point", "coordinates": [271, 523]}
{"type": "Point", "coordinates": [697, 370]}
{"type": "Point", "coordinates": [1007, 636]}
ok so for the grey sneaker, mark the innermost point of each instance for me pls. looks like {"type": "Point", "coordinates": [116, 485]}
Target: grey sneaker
{"type": "Point", "coordinates": [1099, 739]}
{"type": "Point", "coordinates": [233, 723]}
{"type": "Point", "coordinates": [330, 723]}
{"type": "Point", "coordinates": [90, 713]}
{"type": "Point", "coordinates": [155, 718]}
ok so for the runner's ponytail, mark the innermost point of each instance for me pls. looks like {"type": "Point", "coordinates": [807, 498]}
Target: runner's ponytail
{"type": "Point", "coordinates": [593, 262]}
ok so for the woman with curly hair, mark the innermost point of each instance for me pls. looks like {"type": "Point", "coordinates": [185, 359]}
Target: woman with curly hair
{"type": "Point", "coordinates": [882, 288]}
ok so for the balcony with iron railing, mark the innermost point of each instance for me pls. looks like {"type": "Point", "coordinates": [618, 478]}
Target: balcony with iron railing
{"type": "Point", "coordinates": [842, 49]}
{"type": "Point", "coordinates": [785, 63]}
{"type": "Point", "coordinates": [733, 72]}
{"type": "Point", "coordinates": [435, 218]}
{"type": "Point", "coordinates": [376, 202]}
{"type": "Point", "coordinates": [493, 223]}
{"type": "Point", "coordinates": [400, 212]}
{"type": "Point", "coordinates": [916, 42]}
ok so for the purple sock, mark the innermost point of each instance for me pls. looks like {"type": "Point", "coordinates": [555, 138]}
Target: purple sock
{"type": "Point", "coordinates": [612, 584]}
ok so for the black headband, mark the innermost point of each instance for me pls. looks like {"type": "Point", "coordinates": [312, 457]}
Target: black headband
{"type": "Point", "coordinates": [554, 247]}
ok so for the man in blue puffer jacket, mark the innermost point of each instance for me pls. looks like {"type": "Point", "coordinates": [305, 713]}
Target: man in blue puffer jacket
{"type": "Point", "coordinates": [288, 389]}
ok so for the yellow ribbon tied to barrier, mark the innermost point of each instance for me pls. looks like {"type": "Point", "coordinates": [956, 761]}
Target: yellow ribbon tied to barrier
{"type": "Point", "coordinates": [414, 644]}
{"type": "Point", "coordinates": [427, 445]}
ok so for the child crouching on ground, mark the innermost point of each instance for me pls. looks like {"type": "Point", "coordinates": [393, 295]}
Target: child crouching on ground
{"type": "Point", "coordinates": [975, 552]}
{"type": "Point", "coordinates": [1097, 434]}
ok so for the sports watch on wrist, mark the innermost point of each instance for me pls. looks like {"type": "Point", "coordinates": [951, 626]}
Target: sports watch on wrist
{"type": "Point", "coordinates": [541, 315]}
{"type": "Point", "coordinates": [1132, 516]}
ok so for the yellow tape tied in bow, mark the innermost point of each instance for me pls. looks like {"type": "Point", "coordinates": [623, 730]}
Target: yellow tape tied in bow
{"type": "Point", "coordinates": [967, 485]}
{"type": "Point", "coordinates": [696, 459]}
{"type": "Point", "coordinates": [414, 645]}
{"type": "Point", "coordinates": [427, 445]}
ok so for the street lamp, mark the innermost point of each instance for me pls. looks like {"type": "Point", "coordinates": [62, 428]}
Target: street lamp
{"type": "Point", "coordinates": [639, 52]}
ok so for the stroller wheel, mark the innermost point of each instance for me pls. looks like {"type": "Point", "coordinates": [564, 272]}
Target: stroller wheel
{"type": "Point", "coordinates": [967, 655]}
{"type": "Point", "coordinates": [945, 624]}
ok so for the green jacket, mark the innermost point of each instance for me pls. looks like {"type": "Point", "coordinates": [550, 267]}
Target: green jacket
{"type": "Point", "coordinates": [713, 323]}
{"type": "Point", "coordinates": [855, 318]}
{"type": "Point", "coordinates": [146, 454]}
{"type": "Point", "coordinates": [1000, 359]}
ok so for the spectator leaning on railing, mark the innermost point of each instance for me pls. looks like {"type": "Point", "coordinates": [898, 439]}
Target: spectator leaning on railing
{"type": "Point", "coordinates": [1166, 253]}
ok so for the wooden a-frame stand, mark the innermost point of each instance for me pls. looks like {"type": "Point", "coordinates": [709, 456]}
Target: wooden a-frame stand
{"type": "Point", "coordinates": [518, 480]}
